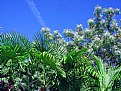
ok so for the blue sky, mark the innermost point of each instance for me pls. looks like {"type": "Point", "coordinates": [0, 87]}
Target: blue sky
{"type": "Point", "coordinates": [18, 15]}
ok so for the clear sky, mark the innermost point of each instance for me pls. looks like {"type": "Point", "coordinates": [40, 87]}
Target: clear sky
{"type": "Point", "coordinates": [28, 16]}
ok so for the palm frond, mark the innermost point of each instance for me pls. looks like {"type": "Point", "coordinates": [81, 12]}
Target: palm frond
{"type": "Point", "coordinates": [13, 46]}
{"type": "Point", "coordinates": [106, 76]}
{"type": "Point", "coordinates": [48, 59]}
{"type": "Point", "coordinates": [42, 42]}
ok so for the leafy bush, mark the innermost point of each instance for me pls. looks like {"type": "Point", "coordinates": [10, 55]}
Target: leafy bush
{"type": "Point", "coordinates": [85, 60]}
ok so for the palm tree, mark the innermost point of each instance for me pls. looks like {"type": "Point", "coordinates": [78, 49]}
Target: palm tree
{"type": "Point", "coordinates": [48, 51]}
{"type": "Point", "coordinates": [105, 75]}
{"type": "Point", "coordinates": [14, 51]}
{"type": "Point", "coordinates": [45, 41]}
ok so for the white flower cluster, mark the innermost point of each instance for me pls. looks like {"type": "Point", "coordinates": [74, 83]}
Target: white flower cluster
{"type": "Point", "coordinates": [98, 8]}
{"type": "Point", "coordinates": [103, 22]}
{"type": "Point", "coordinates": [96, 43]}
{"type": "Point", "coordinates": [117, 52]}
{"type": "Point", "coordinates": [91, 21]}
{"type": "Point", "coordinates": [57, 35]}
{"type": "Point", "coordinates": [97, 39]}
{"type": "Point", "coordinates": [87, 33]}
{"type": "Point", "coordinates": [97, 11]}
{"type": "Point", "coordinates": [111, 11]}
{"type": "Point", "coordinates": [47, 33]}
{"type": "Point", "coordinates": [45, 30]}
{"type": "Point", "coordinates": [108, 11]}
{"type": "Point", "coordinates": [114, 25]}
{"type": "Point", "coordinates": [68, 33]}
{"type": "Point", "coordinates": [117, 11]}
{"type": "Point", "coordinates": [79, 28]}
{"type": "Point", "coordinates": [108, 37]}
{"type": "Point", "coordinates": [78, 38]}
{"type": "Point", "coordinates": [105, 11]}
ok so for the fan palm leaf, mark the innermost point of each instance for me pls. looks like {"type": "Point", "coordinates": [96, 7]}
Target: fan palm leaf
{"type": "Point", "coordinates": [42, 42]}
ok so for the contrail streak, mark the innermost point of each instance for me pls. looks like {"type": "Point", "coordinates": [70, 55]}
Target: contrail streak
{"type": "Point", "coordinates": [35, 11]}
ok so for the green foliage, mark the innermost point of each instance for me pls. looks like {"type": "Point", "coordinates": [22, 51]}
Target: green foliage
{"type": "Point", "coordinates": [85, 60]}
{"type": "Point", "coordinates": [104, 75]}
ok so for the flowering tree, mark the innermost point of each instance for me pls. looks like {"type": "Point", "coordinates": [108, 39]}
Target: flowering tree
{"type": "Point", "coordinates": [102, 37]}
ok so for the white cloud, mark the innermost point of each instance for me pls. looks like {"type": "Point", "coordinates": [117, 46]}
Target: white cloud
{"type": "Point", "coordinates": [35, 11]}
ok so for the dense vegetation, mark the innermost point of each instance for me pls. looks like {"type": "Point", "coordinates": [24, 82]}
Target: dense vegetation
{"type": "Point", "coordinates": [83, 60]}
